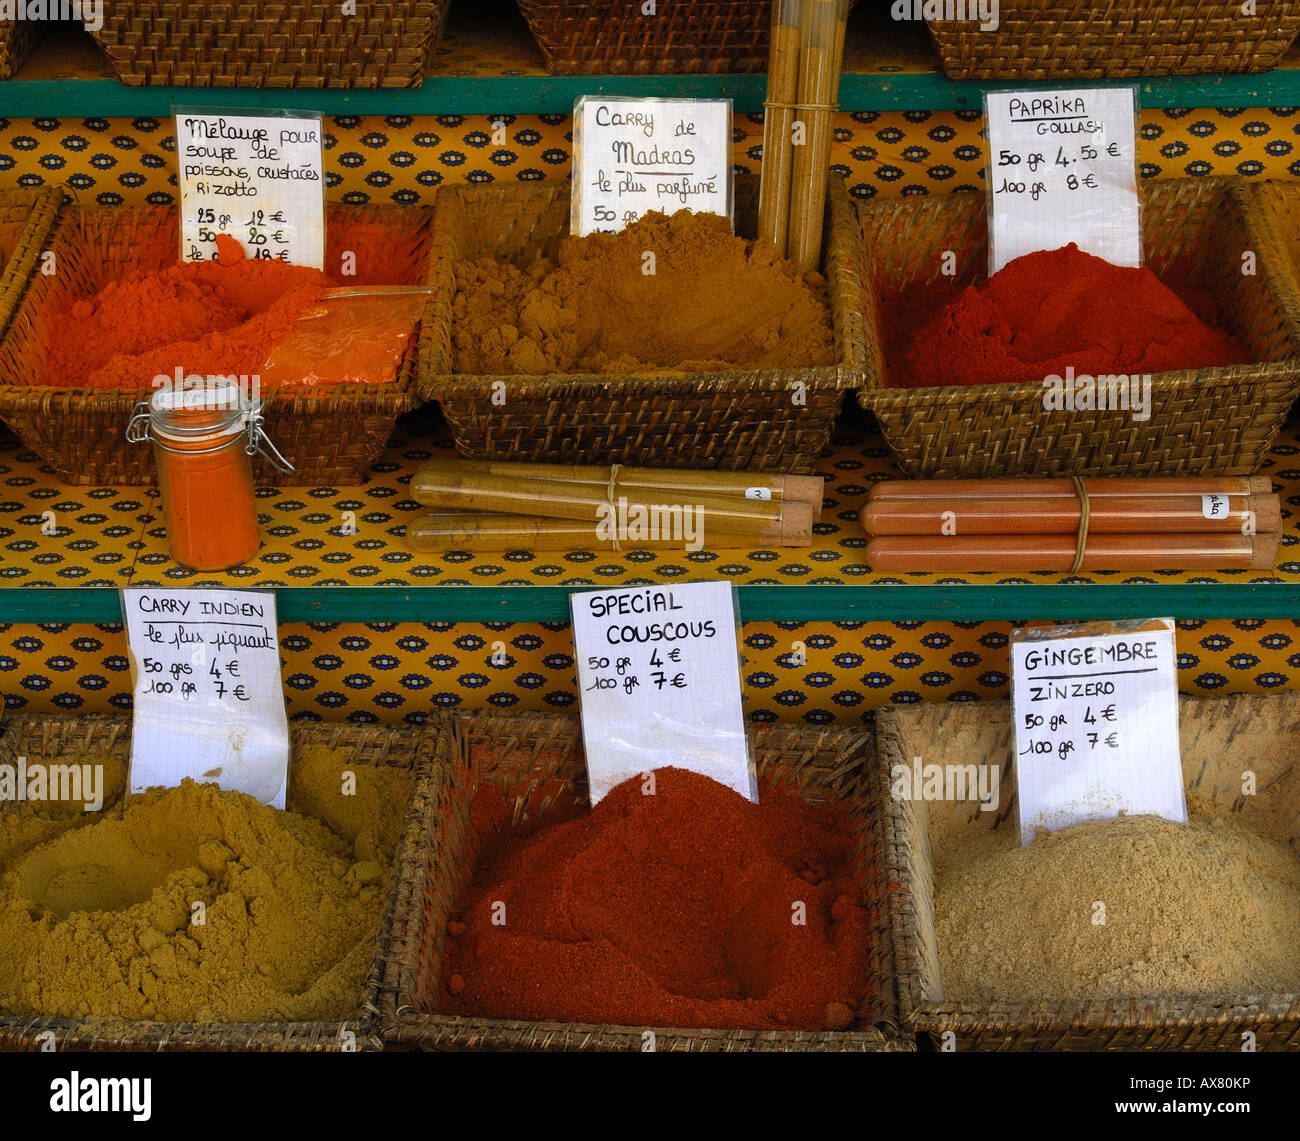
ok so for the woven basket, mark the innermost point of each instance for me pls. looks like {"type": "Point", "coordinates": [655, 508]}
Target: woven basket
{"type": "Point", "coordinates": [1218, 421]}
{"type": "Point", "coordinates": [17, 38]}
{"type": "Point", "coordinates": [1063, 39]}
{"type": "Point", "coordinates": [280, 43]}
{"type": "Point", "coordinates": [1220, 737]}
{"type": "Point", "coordinates": [729, 420]}
{"type": "Point", "coordinates": [94, 738]}
{"type": "Point", "coordinates": [613, 37]}
{"type": "Point", "coordinates": [332, 434]}
{"type": "Point", "coordinates": [544, 754]}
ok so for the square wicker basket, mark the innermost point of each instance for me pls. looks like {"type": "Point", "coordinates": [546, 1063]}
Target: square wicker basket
{"type": "Point", "coordinates": [278, 43]}
{"type": "Point", "coordinates": [331, 434]}
{"type": "Point", "coordinates": [1064, 39]}
{"type": "Point", "coordinates": [730, 420]}
{"type": "Point", "coordinates": [614, 37]}
{"type": "Point", "coordinates": [96, 738]}
{"type": "Point", "coordinates": [539, 759]}
{"type": "Point", "coordinates": [1220, 737]}
{"type": "Point", "coordinates": [1218, 421]}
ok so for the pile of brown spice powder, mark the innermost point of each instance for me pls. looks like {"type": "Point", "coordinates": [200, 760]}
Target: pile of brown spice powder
{"type": "Point", "coordinates": [708, 301]}
{"type": "Point", "coordinates": [1207, 907]}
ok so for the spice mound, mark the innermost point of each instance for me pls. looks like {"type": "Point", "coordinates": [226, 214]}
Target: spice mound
{"type": "Point", "coordinates": [690, 907]}
{"type": "Point", "coordinates": [709, 301]}
{"type": "Point", "coordinates": [211, 318]}
{"type": "Point", "coordinates": [1135, 906]}
{"type": "Point", "coordinates": [1047, 312]}
{"type": "Point", "coordinates": [104, 920]}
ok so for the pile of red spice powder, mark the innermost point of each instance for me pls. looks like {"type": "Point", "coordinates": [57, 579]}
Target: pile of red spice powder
{"type": "Point", "coordinates": [671, 909]}
{"type": "Point", "coordinates": [1043, 313]}
{"type": "Point", "coordinates": [209, 318]}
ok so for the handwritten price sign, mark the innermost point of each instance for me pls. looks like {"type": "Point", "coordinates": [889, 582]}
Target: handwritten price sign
{"type": "Point", "coordinates": [208, 700]}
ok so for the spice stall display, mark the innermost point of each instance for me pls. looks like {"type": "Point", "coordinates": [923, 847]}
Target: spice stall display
{"type": "Point", "coordinates": [998, 944]}
{"type": "Point", "coordinates": [1059, 39]}
{"type": "Point", "coordinates": [68, 388]}
{"type": "Point", "coordinates": [1217, 420]}
{"type": "Point", "coordinates": [583, 376]}
{"type": "Point", "coordinates": [97, 909]}
{"type": "Point", "coordinates": [292, 43]}
{"type": "Point", "coordinates": [516, 793]}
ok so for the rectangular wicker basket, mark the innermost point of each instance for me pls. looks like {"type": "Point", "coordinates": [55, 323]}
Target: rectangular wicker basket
{"type": "Point", "coordinates": [730, 420]}
{"type": "Point", "coordinates": [614, 37]}
{"type": "Point", "coordinates": [331, 434]}
{"type": "Point", "coordinates": [98, 738]}
{"type": "Point", "coordinates": [539, 759]}
{"type": "Point", "coordinates": [1065, 39]}
{"type": "Point", "coordinates": [27, 218]}
{"type": "Point", "coordinates": [280, 43]}
{"type": "Point", "coordinates": [1218, 421]}
{"type": "Point", "coordinates": [1220, 737]}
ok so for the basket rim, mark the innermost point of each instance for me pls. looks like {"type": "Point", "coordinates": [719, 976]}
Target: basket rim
{"type": "Point", "coordinates": [428, 745]}
{"type": "Point", "coordinates": [1116, 1012]}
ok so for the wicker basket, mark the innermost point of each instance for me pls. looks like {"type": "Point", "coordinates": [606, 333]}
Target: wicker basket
{"type": "Point", "coordinates": [540, 757]}
{"type": "Point", "coordinates": [613, 37]}
{"type": "Point", "coordinates": [281, 43]}
{"type": "Point", "coordinates": [1063, 39]}
{"type": "Point", "coordinates": [332, 434]}
{"type": "Point", "coordinates": [87, 738]}
{"type": "Point", "coordinates": [1218, 421]}
{"type": "Point", "coordinates": [730, 420]}
{"type": "Point", "coordinates": [1220, 737]}
{"type": "Point", "coordinates": [17, 38]}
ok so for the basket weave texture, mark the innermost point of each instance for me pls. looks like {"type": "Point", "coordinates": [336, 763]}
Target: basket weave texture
{"type": "Point", "coordinates": [682, 37]}
{"type": "Point", "coordinates": [1220, 737]}
{"type": "Point", "coordinates": [280, 43]}
{"type": "Point", "coordinates": [760, 419]}
{"type": "Point", "coordinates": [99, 738]}
{"type": "Point", "coordinates": [1064, 39]}
{"type": "Point", "coordinates": [1219, 421]}
{"type": "Point", "coordinates": [17, 38]}
{"type": "Point", "coordinates": [331, 434]}
{"type": "Point", "coordinates": [539, 759]}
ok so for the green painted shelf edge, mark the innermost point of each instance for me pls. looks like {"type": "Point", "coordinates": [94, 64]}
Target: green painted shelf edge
{"type": "Point", "coordinates": [757, 603]}
{"type": "Point", "coordinates": [548, 94]}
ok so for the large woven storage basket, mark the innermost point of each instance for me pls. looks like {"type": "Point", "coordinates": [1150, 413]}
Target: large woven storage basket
{"type": "Point", "coordinates": [106, 739]}
{"type": "Point", "coordinates": [331, 434]}
{"type": "Point", "coordinates": [1218, 421]}
{"type": "Point", "coordinates": [27, 218]}
{"type": "Point", "coordinates": [731, 420]}
{"type": "Point", "coordinates": [1220, 737]}
{"type": "Point", "coordinates": [539, 759]}
{"type": "Point", "coordinates": [281, 43]}
{"type": "Point", "coordinates": [1065, 39]}
{"type": "Point", "coordinates": [682, 37]}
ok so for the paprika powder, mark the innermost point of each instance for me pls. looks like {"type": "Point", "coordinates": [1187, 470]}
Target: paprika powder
{"type": "Point", "coordinates": [688, 907]}
{"type": "Point", "coordinates": [1044, 313]}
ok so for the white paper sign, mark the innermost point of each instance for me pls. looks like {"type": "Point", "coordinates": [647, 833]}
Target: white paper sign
{"type": "Point", "coordinates": [1096, 719]}
{"type": "Point", "coordinates": [631, 156]}
{"type": "Point", "coordinates": [1061, 169]}
{"type": "Point", "coordinates": [659, 680]}
{"type": "Point", "coordinates": [209, 703]}
{"type": "Point", "coordinates": [255, 177]}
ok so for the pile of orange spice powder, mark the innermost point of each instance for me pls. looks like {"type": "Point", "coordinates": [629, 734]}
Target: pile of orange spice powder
{"type": "Point", "coordinates": [211, 318]}
{"type": "Point", "coordinates": [690, 907]}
